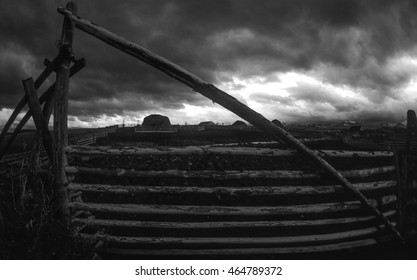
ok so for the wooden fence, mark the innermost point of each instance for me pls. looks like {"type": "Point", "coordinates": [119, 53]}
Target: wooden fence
{"type": "Point", "coordinates": [370, 206]}
{"type": "Point", "coordinates": [211, 201]}
{"type": "Point", "coordinates": [16, 164]}
{"type": "Point", "coordinates": [90, 138]}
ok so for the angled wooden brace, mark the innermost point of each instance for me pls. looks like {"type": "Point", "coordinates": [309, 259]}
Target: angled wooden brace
{"type": "Point", "coordinates": [80, 64]}
{"type": "Point", "coordinates": [37, 115]}
{"type": "Point", "coordinates": [223, 99]}
{"type": "Point", "coordinates": [38, 82]}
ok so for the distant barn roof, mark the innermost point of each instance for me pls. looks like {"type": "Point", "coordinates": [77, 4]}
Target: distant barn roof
{"type": "Point", "coordinates": [207, 123]}
{"type": "Point", "coordinates": [156, 120]}
{"type": "Point", "coordinates": [239, 123]}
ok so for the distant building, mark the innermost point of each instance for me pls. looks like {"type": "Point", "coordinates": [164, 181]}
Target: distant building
{"type": "Point", "coordinates": [156, 121]}
{"type": "Point", "coordinates": [209, 123]}
{"type": "Point", "coordinates": [239, 123]}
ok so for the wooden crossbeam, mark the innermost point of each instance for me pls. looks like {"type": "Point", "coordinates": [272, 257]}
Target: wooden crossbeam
{"type": "Point", "coordinates": [266, 212]}
{"type": "Point", "coordinates": [80, 64]}
{"type": "Point", "coordinates": [243, 225]}
{"type": "Point", "coordinates": [241, 191]}
{"type": "Point", "coordinates": [37, 115]}
{"type": "Point", "coordinates": [198, 150]}
{"type": "Point", "coordinates": [236, 241]}
{"type": "Point", "coordinates": [222, 98]}
{"type": "Point", "coordinates": [268, 251]}
{"type": "Point", "coordinates": [223, 175]}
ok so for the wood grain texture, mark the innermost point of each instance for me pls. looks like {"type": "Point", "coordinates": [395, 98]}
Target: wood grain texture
{"type": "Point", "coordinates": [61, 117]}
{"type": "Point", "coordinates": [230, 224]}
{"type": "Point", "coordinates": [226, 174]}
{"type": "Point", "coordinates": [233, 191]}
{"type": "Point", "coordinates": [246, 251]}
{"type": "Point", "coordinates": [199, 150]}
{"type": "Point", "coordinates": [239, 211]}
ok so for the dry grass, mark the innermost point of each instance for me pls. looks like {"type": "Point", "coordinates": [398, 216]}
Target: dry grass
{"type": "Point", "coordinates": [29, 228]}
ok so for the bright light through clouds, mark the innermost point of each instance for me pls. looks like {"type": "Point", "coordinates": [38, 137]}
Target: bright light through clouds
{"type": "Point", "coordinates": [289, 96]}
{"type": "Point", "coordinates": [277, 96]}
{"type": "Point", "coordinates": [195, 114]}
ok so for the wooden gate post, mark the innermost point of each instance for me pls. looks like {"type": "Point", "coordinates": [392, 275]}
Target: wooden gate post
{"type": "Point", "coordinates": [409, 184]}
{"type": "Point", "coordinates": [61, 117]}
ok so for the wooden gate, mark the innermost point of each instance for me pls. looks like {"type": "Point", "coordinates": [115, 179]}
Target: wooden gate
{"type": "Point", "coordinates": [323, 204]}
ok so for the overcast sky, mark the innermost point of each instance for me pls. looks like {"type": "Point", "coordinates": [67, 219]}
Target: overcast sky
{"type": "Point", "coordinates": [295, 60]}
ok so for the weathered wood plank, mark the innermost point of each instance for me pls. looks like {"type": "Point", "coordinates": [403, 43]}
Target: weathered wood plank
{"type": "Point", "coordinates": [247, 251]}
{"type": "Point", "coordinates": [254, 241]}
{"type": "Point", "coordinates": [222, 98]}
{"type": "Point", "coordinates": [233, 224]}
{"type": "Point", "coordinates": [232, 191]}
{"type": "Point", "coordinates": [238, 211]}
{"type": "Point", "coordinates": [61, 117]}
{"type": "Point", "coordinates": [368, 171]}
{"type": "Point", "coordinates": [227, 174]}
{"type": "Point", "coordinates": [200, 150]}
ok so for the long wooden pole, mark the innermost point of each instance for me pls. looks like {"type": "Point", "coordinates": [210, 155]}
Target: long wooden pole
{"type": "Point", "coordinates": [80, 64]}
{"type": "Point", "coordinates": [61, 117]}
{"type": "Point", "coordinates": [222, 98]}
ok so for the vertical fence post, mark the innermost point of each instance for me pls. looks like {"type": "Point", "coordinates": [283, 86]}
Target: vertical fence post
{"type": "Point", "coordinates": [61, 117]}
{"type": "Point", "coordinates": [410, 178]}
{"type": "Point", "coordinates": [401, 167]}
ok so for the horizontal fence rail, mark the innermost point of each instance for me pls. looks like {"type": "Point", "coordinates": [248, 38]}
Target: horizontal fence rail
{"type": "Point", "coordinates": [192, 150]}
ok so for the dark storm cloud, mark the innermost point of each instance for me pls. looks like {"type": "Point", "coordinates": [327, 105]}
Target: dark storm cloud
{"type": "Point", "coordinates": [342, 42]}
{"type": "Point", "coordinates": [12, 66]}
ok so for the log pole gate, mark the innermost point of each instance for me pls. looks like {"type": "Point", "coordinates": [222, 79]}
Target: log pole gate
{"type": "Point", "coordinates": [54, 100]}
{"type": "Point", "coordinates": [57, 97]}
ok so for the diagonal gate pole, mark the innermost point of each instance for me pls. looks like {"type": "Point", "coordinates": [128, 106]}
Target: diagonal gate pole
{"type": "Point", "coordinates": [222, 98]}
